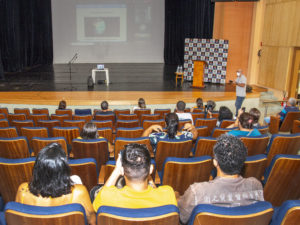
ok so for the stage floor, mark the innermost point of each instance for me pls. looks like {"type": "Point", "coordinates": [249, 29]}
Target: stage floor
{"type": "Point", "coordinates": [46, 85]}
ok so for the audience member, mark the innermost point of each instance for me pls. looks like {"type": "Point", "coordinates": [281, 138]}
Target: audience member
{"type": "Point", "coordinates": [209, 109]}
{"type": "Point", "coordinates": [52, 185]}
{"type": "Point", "coordinates": [199, 104]}
{"type": "Point", "coordinates": [156, 133]}
{"type": "Point", "coordinates": [104, 109]}
{"type": "Point", "coordinates": [245, 125]}
{"type": "Point", "coordinates": [180, 106]}
{"type": "Point", "coordinates": [224, 114]}
{"type": "Point", "coordinates": [228, 189]}
{"type": "Point", "coordinates": [290, 107]}
{"type": "Point", "coordinates": [134, 163]}
{"type": "Point", "coordinates": [255, 113]}
{"type": "Point", "coordinates": [141, 104]}
{"type": "Point", "coordinates": [62, 104]}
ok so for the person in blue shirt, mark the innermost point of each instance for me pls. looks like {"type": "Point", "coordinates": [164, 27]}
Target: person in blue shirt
{"type": "Point", "coordinates": [245, 126]}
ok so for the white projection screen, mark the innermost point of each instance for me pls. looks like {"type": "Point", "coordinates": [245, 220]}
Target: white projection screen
{"type": "Point", "coordinates": [111, 31]}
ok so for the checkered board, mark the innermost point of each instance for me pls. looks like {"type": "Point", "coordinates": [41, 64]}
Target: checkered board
{"type": "Point", "coordinates": [213, 51]}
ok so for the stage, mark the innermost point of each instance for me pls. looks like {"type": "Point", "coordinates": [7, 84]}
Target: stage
{"type": "Point", "coordinates": [46, 85]}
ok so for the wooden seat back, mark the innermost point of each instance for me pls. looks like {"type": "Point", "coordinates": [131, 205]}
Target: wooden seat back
{"type": "Point", "coordinates": [40, 111]}
{"type": "Point", "coordinates": [86, 118]}
{"type": "Point", "coordinates": [31, 132]}
{"type": "Point", "coordinates": [121, 111]}
{"type": "Point", "coordinates": [21, 123]}
{"type": "Point", "coordinates": [149, 123]}
{"type": "Point", "coordinates": [149, 117]}
{"type": "Point", "coordinates": [74, 123]}
{"type": "Point", "coordinates": [296, 127]}
{"type": "Point", "coordinates": [226, 123]}
{"type": "Point", "coordinates": [25, 111]}
{"type": "Point", "coordinates": [49, 124]}
{"type": "Point", "coordinates": [60, 118]}
{"type": "Point", "coordinates": [37, 117]}
{"type": "Point", "coordinates": [255, 166]}
{"type": "Point", "coordinates": [210, 123]}
{"type": "Point", "coordinates": [4, 110]}
{"type": "Point", "coordinates": [63, 112]}
{"type": "Point", "coordinates": [69, 133]}
{"type": "Point", "coordinates": [127, 123]}
{"type": "Point", "coordinates": [39, 143]}
{"type": "Point", "coordinates": [256, 145]}
{"type": "Point", "coordinates": [14, 148]}
{"type": "Point", "coordinates": [204, 146]}
{"type": "Point", "coordinates": [202, 131]}
{"type": "Point", "coordinates": [128, 117]}
{"type": "Point", "coordinates": [103, 124]}
{"type": "Point", "coordinates": [8, 132]}
{"type": "Point", "coordinates": [135, 132]}
{"type": "Point", "coordinates": [12, 117]}
{"type": "Point", "coordinates": [4, 123]}
{"type": "Point", "coordinates": [197, 116]}
{"type": "Point", "coordinates": [162, 112]}
{"type": "Point", "coordinates": [106, 133]}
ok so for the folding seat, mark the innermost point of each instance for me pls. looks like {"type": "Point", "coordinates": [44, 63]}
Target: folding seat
{"type": "Point", "coordinates": [286, 125]}
{"type": "Point", "coordinates": [162, 112]}
{"type": "Point", "coordinates": [149, 117]}
{"type": "Point", "coordinates": [196, 110]}
{"type": "Point", "coordinates": [171, 148]}
{"type": "Point", "coordinates": [31, 132]}
{"type": "Point", "coordinates": [168, 214]}
{"type": "Point", "coordinates": [127, 123]}
{"type": "Point", "coordinates": [86, 169]}
{"type": "Point", "coordinates": [134, 132]}
{"type": "Point", "coordinates": [282, 179]}
{"type": "Point", "coordinates": [83, 112]}
{"type": "Point", "coordinates": [14, 148]}
{"type": "Point", "coordinates": [283, 144]}
{"type": "Point", "coordinates": [60, 118]}
{"type": "Point", "coordinates": [202, 131]}
{"type": "Point", "coordinates": [39, 143]}
{"type": "Point", "coordinates": [22, 123]}
{"type": "Point", "coordinates": [185, 110]}
{"type": "Point", "coordinates": [263, 129]}
{"type": "Point", "coordinates": [197, 116]}
{"type": "Point", "coordinates": [296, 127]}
{"type": "Point", "coordinates": [107, 133]}
{"type": "Point", "coordinates": [226, 123]}
{"type": "Point", "coordinates": [104, 117]}
{"type": "Point", "coordinates": [121, 111]}
{"type": "Point", "coordinates": [255, 166]}
{"type": "Point", "coordinates": [17, 213]}
{"type": "Point", "coordinates": [4, 123]}
{"type": "Point", "coordinates": [40, 111]}
{"type": "Point", "coordinates": [128, 117]}
{"type": "Point", "coordinates": [86, 118]}
{"type": "Point", "coordinates": [25, 111]}
{"type": "Point", "coordinates": [2, 116]}
{"type": "Point", "coordinates": [74, 123]}
{"type": "Point", "coordinates": [180, 173]}
{"type": "Point", "coordinates": [287, 214]}
{"type": "Point", "coordinates": [8, 132]}
{"type": "Point", "coordinates": [210, 123]}
{"type": "Point", "coordinates": [149, 123]}
{"type": "Point", "coordinates": [257, 213]}
{"type": "Point", "coordinates": [140, 112]}
{"type": "Point", "coordinates": [214, 115]}
{"type": "Point", "coordinates": [14, 172]}
{"type": "Point", "coordinates": [37, 117]}
{"type": "Point", "coordinates": [256, 145]}
{"type": "Point", "coordinates": [216, 132]}
{"type": "Point", "coordinates": [93, 148]}
{"type": "Point", "coordinates": [103, 124]}
{"type": "Point", "coordinates": [4, 110]}
{"type": "Point", "coordinates": [49, 124]}
{"type": "Point", "coordinates": [204, 146]}
{"type": "Point", "coordinates": [12, 117]}
{"type": "Point", "coordinates": [182, 123]}
{"type": "Point", "coordinates": [63, 112]}
{"type": "Point", "coordinates": [69, 133]}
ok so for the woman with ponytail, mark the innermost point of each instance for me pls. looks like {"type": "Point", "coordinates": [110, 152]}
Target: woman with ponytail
{"type": "Point", "coordinates": [156, 132]}
{"type": "Point", "coordinates": [245, 126]}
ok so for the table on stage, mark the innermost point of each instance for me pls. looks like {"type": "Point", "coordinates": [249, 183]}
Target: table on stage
{"type": "Point", "coordinates": [103, 70]}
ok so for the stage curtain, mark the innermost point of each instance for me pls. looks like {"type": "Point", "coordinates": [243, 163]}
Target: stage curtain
{"type": "Point", "coordinates": [25, 34]}
{"type": "Point", "coordinates": [186, 19]}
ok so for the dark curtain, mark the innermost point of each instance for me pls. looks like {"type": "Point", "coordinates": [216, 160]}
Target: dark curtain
{"type": "Point", "coordinates": [186, 19]}
{"type": "Point", "coordinates": [25, 34]}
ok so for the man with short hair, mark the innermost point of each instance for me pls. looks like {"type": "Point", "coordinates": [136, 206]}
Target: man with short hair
{"type": "Point", "coordinates": [240, 83]}
{"type": "Point", "coordinates": [228, 189]}
{"type": "Point", "coordinates": [180, 106]}
{"type": "Point", "coordinates": [134, 162]}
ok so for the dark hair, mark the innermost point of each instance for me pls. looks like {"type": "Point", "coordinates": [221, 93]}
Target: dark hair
{"type": "Point", "coordinates": [255, 113]}
{"type": "Point", "coordinates": [246, 120]}
{"type": "Point", "coordinates": [211, 105]}
{"type": "Point", "coordinates": [199, 103]}
{"type": "Point", "coordinates": [142, 103]}
{"type": "Point", "coordinates": [225, 113]}
{"type": "Point", "coordinates": [89, 131]}
{"type": "Point", "coordinates": [136, 162]}
{"type": "Point", "coordinates": [104, 105]}
{"type": "Point", "coordinates": [180, 105]}
{"type": "Point", "coordinates": [230, 153]}
{"type": "Point", "coordinates": [172, 122]}
{"type": "Point", "coordinates": [51, 173]}
{"type": "Point", "coordinates": [62, 104]}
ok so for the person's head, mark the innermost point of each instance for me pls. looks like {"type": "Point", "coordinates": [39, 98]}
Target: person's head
{"type": "Point", "coordinates": [229, 154]}
{"type": "Point", "coordinates": [225, 113]}
{"type": "Point", "coordinates": [180, 106]}
{"type": "Point", "coordinates": [142, 103]}
{"type": "Point", "coordinates": [246, 120]}
{"type": "Point", "coordinates": [104, 105]}
{"type": "Point", "coordinates": [89, 131]}
{"type": "Point", "coordinates": [292, 102]}
{"type": "Point", "coordinates": [239, 72]}
{"type": "Point", "coordinates": [136, 161]}
{"type": "Point", "coordinates": [62, 104]}
{"type": "Point", "coordinates": [255, 114]}
{"type": "Point", "coordinates": [199, 103]}
{"type": "Point", "coordinates": [51, 173]}
{"type": "Point", "coordinates": [172, 123]}
{"type": "Point", "coordinates": [211, 105]}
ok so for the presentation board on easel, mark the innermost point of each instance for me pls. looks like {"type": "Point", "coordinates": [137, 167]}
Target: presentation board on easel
{"type": "Point", "coordinates": [199, 67]}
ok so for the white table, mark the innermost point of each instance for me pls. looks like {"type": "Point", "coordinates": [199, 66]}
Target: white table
{"type": "Point", "coordinates": [106, 74]}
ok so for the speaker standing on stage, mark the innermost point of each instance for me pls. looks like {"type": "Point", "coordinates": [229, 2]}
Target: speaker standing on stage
{"type": "Point", "coordinates": [240, 82]}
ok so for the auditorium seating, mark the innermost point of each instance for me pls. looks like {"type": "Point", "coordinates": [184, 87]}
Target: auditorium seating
{"type": "Point", "coordinates": [14, 148]}
{"type": "Point", "coordinates": [69, 133]}
{"type": "Point", "coordinates": [127, 123]}
{"type": "Point", "coordinates": [162, 112]}
{"type": "Point", "coordinates": [60, 118]}
{"type": "Point", "coordinates": [255, 166]}
{"type": "Point", "coordinates": [140, 112]}
{"type": "Point", "coordinates": [287, 214]}
{"type": "Point", "coordinates": [4, 123]}
{"type": "Point", "coordinates": [39, 143]}
{"type": "Point", "coordinates": [31, 132]}
{"type": "Point", "coordinates": [104, 117]}
{"type": "Point", "coordinates": [210, 123]}
{"type": "Point", "coordinates": [49, 124]}
{"type": "Point", "coordinates": [36, 117]}
{"type": "Point", "coordinates": [25, 111]}
{"type": "Point", "coordinates": [256, 145]}
{"type": "Point", "coordinates": [86, 118]}
{"type": "Point", "coordinates": [103, 124]}
{"type": "Point", "coordinates": [182, 123]}
{"type": "Point", "coordinates": [286, 125]}
{"type": "Point", "coordinates": [134, 132]}
{"type": "Point", "coordinates": [40, 111]}
{"type": "Point", "coordinates": [8, 132]}
{"type": "Point", "coordinates": [121, 111]}
{"type": "Point", "coordinates": [63, 112]}
{"type": "Point", "coordinates": [204, 146]}
{"type": "Point", "coordinates": [4, 110]}
{"type": "Point", "coordinates": [148, 123]}
{"type": "Point", "coordinates": [21, 123]}
{"type": "Point", "coordinates": [226, 123]}
{"type": "Point", "coordinates": [107, 133]}
{"type": "Point", "coordinates": [74, 123]}
{"type": "Point", "coordinates": [128, 117]}
{"type": "Point", "coordinates": [149, 117]}
{"type": "Point", "coordinates": [202, 131]}
{"type": "Point", "coordinates": [216, 132]}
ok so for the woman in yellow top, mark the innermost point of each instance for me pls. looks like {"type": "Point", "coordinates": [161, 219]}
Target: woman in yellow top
{"type": "Point", "coordinates": [52, 185]}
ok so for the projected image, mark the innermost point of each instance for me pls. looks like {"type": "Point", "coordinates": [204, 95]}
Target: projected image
{"type": "Point", "coordinates": [102, 26]}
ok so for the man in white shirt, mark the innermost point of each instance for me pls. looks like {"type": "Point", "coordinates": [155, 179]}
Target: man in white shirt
{"type": "Point", "coordinates": [180, 106]}
{"type": "Point", "coordinates": [240, 82]}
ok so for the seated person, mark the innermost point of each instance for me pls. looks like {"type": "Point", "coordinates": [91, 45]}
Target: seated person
{"type": "Point", "coordinates": [228, 189]}
{"type": "Point", "coordinates": [141, 104]}
{"type": "Point", "coordinates": [245, 125]}
{"type": "Point", "coordinates": [134, 163]}
{"type": "Point", "coordinates": [180, 107]}
{"type": "Point", "coordinates": [90, 131]}
{"type": "Point", "coordinates": [290, 107]}
{"type": "Point", "coordinates": [209, 109]}
{"type": "Point", "coordinates": [62, 104]}
{"type": "Point", "coordinates": [156, 133]}
{"type": "Point", "coordinates": [224, 114]}
{"type": "Point", "coordinates": [255, 113]}
{"type": "Point", "coordinates": [104, 109]}
{"type": "Point", "coordinates": [52, 185]}
{"type": "Point", "coordinates": [199, 105]}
